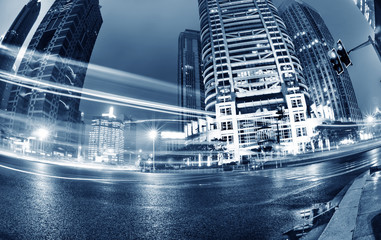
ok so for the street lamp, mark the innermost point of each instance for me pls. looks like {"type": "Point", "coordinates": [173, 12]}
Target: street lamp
{"type": "Point", "coordinates": [370, 119]}
{"type": "Point", "coordinates": [41, 134]}
{"type": "Point", "coordinates": [153, 135]}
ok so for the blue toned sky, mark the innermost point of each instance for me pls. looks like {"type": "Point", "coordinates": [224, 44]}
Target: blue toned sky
{"type": "Point", "coordinates": [140, 37]}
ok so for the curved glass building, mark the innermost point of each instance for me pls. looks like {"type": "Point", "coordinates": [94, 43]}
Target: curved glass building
{"type": "Point", "coordinates": [250, 70]}
{"type": "Point", "coordinates": [333, 96]}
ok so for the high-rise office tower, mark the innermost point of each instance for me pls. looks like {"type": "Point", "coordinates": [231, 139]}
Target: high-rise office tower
{"type": "Point", "coordinates": [106, 141]}
{"type": "Point", "coordinates": [377, 9]}
{"type": "Point", "coordinates": [58, 52]}
{"type": "Point", "coordinates": [333, 96]}
{"type": "Point", "coordinates": [250, 70]}
{"type": "Point", "coordinates": [190, 84]}
{"type": "Point", "coordinates": [13, 41]}
{"type": "Point", "coordinates": [367, 9]}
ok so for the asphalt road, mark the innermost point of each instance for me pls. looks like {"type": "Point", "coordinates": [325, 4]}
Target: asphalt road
{"type": "Point", "coordinates": [46, 201]}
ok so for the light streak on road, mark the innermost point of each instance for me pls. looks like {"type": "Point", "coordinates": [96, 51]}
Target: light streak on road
{"type": "Point", "coordinates": [66, 178]}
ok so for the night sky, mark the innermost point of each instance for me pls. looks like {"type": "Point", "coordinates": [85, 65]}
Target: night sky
{"type": "Point", "coordinates": [140, 37]}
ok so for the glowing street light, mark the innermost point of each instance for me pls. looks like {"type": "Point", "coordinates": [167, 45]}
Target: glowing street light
{"type": "Point", "coordinates": [41, 133]}
{"type": "Point", "coordinates": [370, 119]}
{"type": "Point", "coordinates": [153, 134]}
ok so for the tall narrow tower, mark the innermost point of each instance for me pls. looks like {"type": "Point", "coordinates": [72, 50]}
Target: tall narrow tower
{"type": "Point", "coordinates": [58, 52]}
{"type": "Point", "coordinates": [333, 96]}
{"type": "Point", "coordinates": [14, 39]}
{"type": "Point", "coordinates": [190, 84]}
{"type": "Point", "coordinates": [250, 70]}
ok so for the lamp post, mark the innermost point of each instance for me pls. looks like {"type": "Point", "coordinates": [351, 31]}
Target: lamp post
{"type": "Point", "coordinates": [280, 113]}
{"type": "Point", "coordinates": [41, 134]}
{"type": "Point", "coordinates": [153, 135]}
{"type": "Point", "coordinates": [370, 121]}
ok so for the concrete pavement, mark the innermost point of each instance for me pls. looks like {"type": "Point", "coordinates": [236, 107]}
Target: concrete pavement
{"type": "Point", "coordinates": [360, 204]}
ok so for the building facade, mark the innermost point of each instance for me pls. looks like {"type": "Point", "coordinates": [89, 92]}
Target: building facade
{"type": "Point", "coordinates": [367, 9]}
{"type": "Point", "coordinates": [190, 84]}
{"type": "Point", "coordinates": [58, 52]}
{"type": "Point", "coordinates": [130, 151]}
{"type": "Point", "coordinates": [106, 140]}
{"type": "Point", "coordinates": [250, 69]}
{"type": "Point", "coordinates": [332, 95]}
{"type": "Point", "coordinates": [13, 41]}
{"type": "Point", "coordinates": [377, 8]}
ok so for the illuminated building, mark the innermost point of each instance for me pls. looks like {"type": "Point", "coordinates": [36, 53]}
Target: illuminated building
{"type": "Point", "coordinates": [58, 52]}
{"type": "Point", "coordinates": [333, 95]}
{"type": "Point", "coordinates": [250, 69]}
{"type": "Point", "coordinates": [13, 41]}
{"type": "Point", "coordinates": [190, 85]}
{"type": "Point", "coordinates": [367, 8]}
{"type": "Point", "coordinates": [130, 152]}
{"type": "Point", "coordinates": [106, 141]}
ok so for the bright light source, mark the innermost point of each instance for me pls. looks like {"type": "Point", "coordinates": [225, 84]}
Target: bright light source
{"type": "Point", "coordinates": [41, 133]}
{"type": "Point", "coordinates": [370, 119]}
{"type": "Point", "coordinates": [153, 134]}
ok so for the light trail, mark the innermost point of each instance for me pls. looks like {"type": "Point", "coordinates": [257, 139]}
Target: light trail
{"type": "Point", "coordinates": [114, 99]}
{"type": "Point", "coordinates": [98, 71]}
{"type": "Point", "coordinates": [66, 178]}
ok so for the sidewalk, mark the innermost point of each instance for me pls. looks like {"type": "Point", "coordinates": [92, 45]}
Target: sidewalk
{"type": "Point", "coordinates": [353, 217]}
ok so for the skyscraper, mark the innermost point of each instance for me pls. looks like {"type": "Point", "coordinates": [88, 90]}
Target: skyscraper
{"type": "Point", "coordinates": [58, 52]}
{"type": "Point", "coordinates": [250, 70]}
{"type": "Point", "coordinates": [14, 39]}
{"type": "Point", "coordinates": [190, 84]}
{"type": "Point", "coordinates": [367, 9]}
{"type": "Point", "coordinates": [106, 141]}
{"type": "Point", "coordinates": [377, 9]}
{"type": "Point", "coordinates": [333, 96]}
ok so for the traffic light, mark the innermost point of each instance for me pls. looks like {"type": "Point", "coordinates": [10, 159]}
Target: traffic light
{"type": "Point", "coordinates": [343, 54]}
{"type": "Point", "coordinates": [335, 60]}
{"type": "Point", "coordinates": [280, 112]}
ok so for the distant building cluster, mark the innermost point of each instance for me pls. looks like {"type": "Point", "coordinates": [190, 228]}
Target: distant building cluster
{"type": "Point", "coordinates": [106, 141]}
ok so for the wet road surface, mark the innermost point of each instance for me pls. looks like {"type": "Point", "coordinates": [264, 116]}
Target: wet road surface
{"type": "Point", "coordinates": [46, 201]}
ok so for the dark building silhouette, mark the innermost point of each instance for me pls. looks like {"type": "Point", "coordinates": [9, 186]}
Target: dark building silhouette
{"type": "Point", "coordinates": [58, 52]}
{"type": "Point", "coordinates": [190, 81]}
{"type": "Point", "coordinates": [13, 40]}
{"type": "Point", "coordinates": [333, 96]}
{"type": "Point", "coordinates": [377, 9]}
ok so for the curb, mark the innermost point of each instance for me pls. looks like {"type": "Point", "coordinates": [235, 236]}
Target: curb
{"type": "Point", "coordinates": [343, 222]}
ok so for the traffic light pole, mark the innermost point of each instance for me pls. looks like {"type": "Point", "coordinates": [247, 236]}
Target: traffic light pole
{"type": "Point", "coordinates": [362, 45]}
